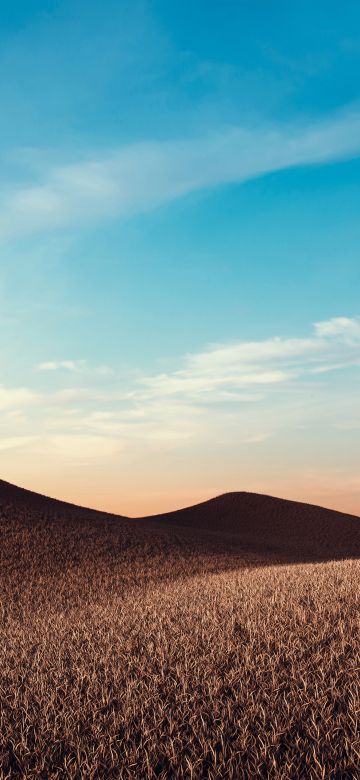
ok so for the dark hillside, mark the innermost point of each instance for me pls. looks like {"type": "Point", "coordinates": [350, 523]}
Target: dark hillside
{"type": "Point", "coordinates": [275, 525]}
{"type": "Point", "coordinates": [40, 531]}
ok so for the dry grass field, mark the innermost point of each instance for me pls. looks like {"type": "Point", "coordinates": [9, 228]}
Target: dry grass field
{"type": "Point", "coordinates": [193, 645]}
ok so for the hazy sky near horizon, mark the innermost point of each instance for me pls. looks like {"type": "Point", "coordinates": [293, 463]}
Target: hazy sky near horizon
{"type": "Point", "coordinates": [179, 250]}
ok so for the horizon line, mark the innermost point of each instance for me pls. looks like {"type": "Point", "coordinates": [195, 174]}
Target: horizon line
{"type": "Point", "coordinates": [179, 509]}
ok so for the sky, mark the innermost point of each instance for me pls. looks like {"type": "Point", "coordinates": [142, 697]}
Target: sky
{"type": "Point", "coordinates": [179, 250]}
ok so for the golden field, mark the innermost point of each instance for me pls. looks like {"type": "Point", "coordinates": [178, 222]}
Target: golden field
{"type": "Point", "coordinates": [146, 649]}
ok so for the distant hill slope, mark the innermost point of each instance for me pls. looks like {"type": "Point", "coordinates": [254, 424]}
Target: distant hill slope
{"type": "Point", "coordinates": [50, 546]}
{"type": "Point", "coordinates": [273, 524]}
{"type": "Point", "coordinates": [232, 522]}
{"type": "Point", "coordinates": [13, 495]}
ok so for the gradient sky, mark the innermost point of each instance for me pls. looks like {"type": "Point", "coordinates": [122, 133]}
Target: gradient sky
{"type": "Point", "coordinates": [179, 250]}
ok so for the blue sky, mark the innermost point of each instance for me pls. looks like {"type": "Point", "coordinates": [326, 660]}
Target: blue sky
{"type": "Point", "coordinates": [179, 211]}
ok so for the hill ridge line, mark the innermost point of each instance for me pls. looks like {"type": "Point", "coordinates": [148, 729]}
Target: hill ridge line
{"type": "Point", "coordinates": [232, 494]}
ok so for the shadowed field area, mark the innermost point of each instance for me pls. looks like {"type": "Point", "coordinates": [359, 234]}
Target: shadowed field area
{"type": "Point", "coordinates": [220, 641]}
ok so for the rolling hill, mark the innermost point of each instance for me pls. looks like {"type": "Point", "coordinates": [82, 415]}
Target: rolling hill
{"type": "Point", "coordinates": [232, 522]}
{"type": "Point", "coordinates": [273, 525]}
{"type": "Point", "coordinates": [208, 642]}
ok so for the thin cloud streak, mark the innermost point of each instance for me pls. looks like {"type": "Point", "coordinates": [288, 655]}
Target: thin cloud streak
{"type": "Point", "coordinates": [142, 176]}
{"type": "Point", "coordinates": [74, 366]}
{"type": "Point", "coordinates": [55, 365]}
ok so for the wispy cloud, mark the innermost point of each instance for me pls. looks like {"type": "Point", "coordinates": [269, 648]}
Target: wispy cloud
{"type": "Point", "coordinates": [333, 344]}
{"type": "Point", "coordinates": [139, 177]}
{"type": "Point", "coordinates": [18, 397]}
{"type": "Point", "coordinates": [16, 442]}
{"type": "Point", "coordinates": [344, 327]}
{"type": "Point", "coordinates": [74, 366]}
{"type": "Point", "coordinates": [56, 365]}
{"type": "Point", "coordinates": [83, 447]}
{"type": "Point", "coordinates": [241, 392]}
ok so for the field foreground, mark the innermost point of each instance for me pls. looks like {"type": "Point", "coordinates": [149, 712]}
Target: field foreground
{"type": "Point", "coordinates": [138, 649]}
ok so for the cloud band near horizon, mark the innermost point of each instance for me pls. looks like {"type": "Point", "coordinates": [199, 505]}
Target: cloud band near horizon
{"type": "Point", "coordinates": [216, 374]}
{"type": "Point", "coordinates": [233, 399]}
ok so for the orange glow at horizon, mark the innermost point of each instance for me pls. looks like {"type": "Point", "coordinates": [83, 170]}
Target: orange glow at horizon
{"type": "Point", "coordinates": [151, 499]}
